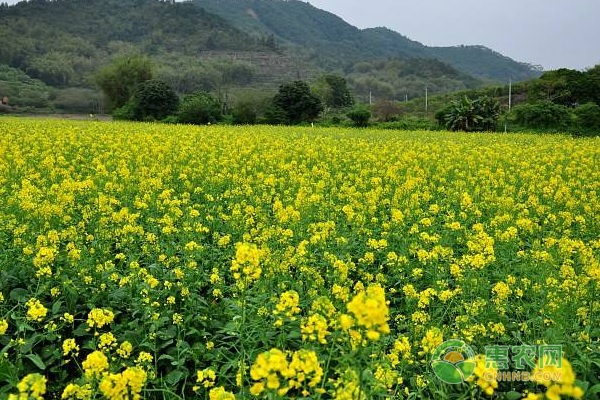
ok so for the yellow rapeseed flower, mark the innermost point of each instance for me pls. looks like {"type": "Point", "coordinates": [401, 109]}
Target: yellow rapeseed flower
{"type": "Point", "coordinates": [98, 317]}
{"type": "Point", "coordinates": [3, 326]}
{"type": "Point", "coordinates": [125, 385]}
{"type": "Point", "coordinates": [219, 393]}
{"type": "Point", "coordinates": [95, 364]}
{"type": "Point", "coordinates": [35, 310]}
{"type": "Point", "coordinates": [77, 392]}
{"type": "Point", "coordinates": [484, 376]}
{"type": "Point", "coordinates": [70, 346]}
{"type": "Point", "coordinates": [370, 311]}
{"type": "Point", "coordinates": [32, 386]}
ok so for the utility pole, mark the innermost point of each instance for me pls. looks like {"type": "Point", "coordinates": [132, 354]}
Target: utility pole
{"type": "Point", "coordinates": [426, 99]}
{"type": "Point", "coordinates": [370, 98]}
{"type": "Point", "coordinates": [509, 94]}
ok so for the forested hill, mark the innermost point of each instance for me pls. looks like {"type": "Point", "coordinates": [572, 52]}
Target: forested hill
{"type": "Point", "coordinates": [62, 42]}
{"type": "Point", "coordinates": [222, 46]}
{"type": "Point", "coordinates": [333, 42]}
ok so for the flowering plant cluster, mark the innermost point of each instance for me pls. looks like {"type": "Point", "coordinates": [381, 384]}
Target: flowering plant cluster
{"type": "Point", "coordinates": [144, 261]}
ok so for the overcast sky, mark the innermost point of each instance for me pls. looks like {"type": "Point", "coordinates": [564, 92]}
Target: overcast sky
{"type": "Point", "coordinates": [551, 33]}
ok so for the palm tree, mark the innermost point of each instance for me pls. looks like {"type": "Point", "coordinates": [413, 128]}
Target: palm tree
{"type": "Point", "coordinates": [469, 115]}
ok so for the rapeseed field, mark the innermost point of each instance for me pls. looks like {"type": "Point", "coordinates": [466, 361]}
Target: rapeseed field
{"type": "Point", "coordinates": [148, 261]}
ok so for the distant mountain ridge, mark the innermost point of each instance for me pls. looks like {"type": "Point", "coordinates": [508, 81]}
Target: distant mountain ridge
{"type": "Point", "coordinates": [334, 42]}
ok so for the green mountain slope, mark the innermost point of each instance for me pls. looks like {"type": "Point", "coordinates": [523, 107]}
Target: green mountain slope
{"type": "Point", "coordinates": [224, 46]}
{"type": "Point", "coordinates": [334, 42]}
{"type": "Point", "coordinates": [63, 43]}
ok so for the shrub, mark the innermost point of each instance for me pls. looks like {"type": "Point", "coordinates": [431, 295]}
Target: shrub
{"type": "Point", "coordinates": [126, 112]}
{"type": "Point", "coordinates": [360, 116]}
{"type": "Point", "coordinates": [587, 120]}
{"type": "Point", "coordinates": [542, 115]}
{"type": "Point", "coordinates": [297, 102]}
{"type": "Point", "coordinates": [154, 100]}
{"type": "Point", "coordinates": [200, 108]}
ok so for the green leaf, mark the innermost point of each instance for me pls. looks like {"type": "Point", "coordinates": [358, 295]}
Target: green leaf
{"type": "Point", "coordinates": [293, 335]}
{"type": "Point", "coordinates": [9, 373]}
{"type": "Point", "coordinates": [165, 357]}
{"type": "Point", "coordinates": [19, 294]}
{"type": "Point", "coordinates": [174, 377]}
{"type": "Point", "coordinates": [36, 360]}
{"type": "Point", "coordinates": [56, 307]}
{"type": "Point", "coordinates": [166, 344]}
{"type": "Point", "coordinates": [513, 395]}
{"type": "Point", "coordinates": [593, 390]}
{"type": "Point", "coordinates": [81, 330]}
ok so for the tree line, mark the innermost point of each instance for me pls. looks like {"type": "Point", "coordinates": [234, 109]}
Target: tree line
{"type": "Point", "coordinates": [133, 93]}
{"type": "Point", "coordinates": [562, 100]}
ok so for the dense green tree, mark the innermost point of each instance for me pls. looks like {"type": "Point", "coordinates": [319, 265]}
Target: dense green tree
{"type": "Point", "coordinates": [541, 115]}
{"type": "Point", "coordinates": [154, 100]}
{"type": "Point", "coordinates": [564, 86]}
{"type": "Point", "coordinates": [200, 108]}
{"type": "Point", "coordinates": [587, 119]}
{"type": "Point", "coordinates": [334, 92]}
{"type": "Point", "coordinates": [276, 115]}
{"type": "Point", "coordinates": [593, 75]}
{"type": "Point", "coordinates": [470, 115]}
{"type": "Point", "coordinates": [249, 107]}
{"type": "Point", "coordinates": [54, 68]}
{"type": "Point", "coordinates": [119, 80]}
{"type": "Point", "coordinates": [360, 116]}
{"type": "Point", "coordinates": [298, 103]}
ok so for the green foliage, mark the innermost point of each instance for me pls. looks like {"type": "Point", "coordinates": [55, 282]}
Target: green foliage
{"type": "Point", "coordinates": [565, 86]}
{"type": "Point", "coordinates": [387, 110]}
{"type": "Point", "coordinates": [250, 43]}
{"type": "Point", "coordinates": [200, 108]}
{"type": "Point", "coordinates": [54, 68]}
{"type": "Point", "coordinates": [276, 115]}
{"type": "Point", "coordinates": [396, 79]}
{"type": "Point", "coordinates": [334, 92]}
{"type": "Point", "coordinates": [244, 113]}
{"type": "Point", "coordinates": [297, 102]}
{"type": "Point", "coordinates": [154, 100]}
{"type": "Point", "coordinates": [119, 80]}
{"type": "Point", "coordinates": [469, 115]}
{"type": "Point", "coordinates": [63, 43]}
{"type": "Point", "coordinates": [332, 42]}
{"type": "Point", "coordinates": [485, 63]}
{"type": "Point", "coordinates": [22, 90]}
{"type": "Point", "coordinates": [126, 112]}
{"type": "Point", "coordinates": [249, 107]}
{"type": "Point", "coordinates": [587, 119]}
{"type": "Point", "coordinates": [410, 123]}
{"type": "Point", "coordinates": [360, 116]}
{"type": "Point", "coordinates": [236, 73]}
{"type": "Point", "coordinates": [541, 115]}
{"type": "Point", "coordinates": [79, 100]}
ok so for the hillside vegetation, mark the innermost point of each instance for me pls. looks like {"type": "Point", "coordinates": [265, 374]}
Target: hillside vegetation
{"type": "Point", "coordinates": [334, 43]}
{"type": "Point", "coordinates": [225, 47]}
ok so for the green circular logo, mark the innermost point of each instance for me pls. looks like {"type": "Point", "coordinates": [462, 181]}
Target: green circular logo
{"type": "Point", "coordinates": [453, 361]}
